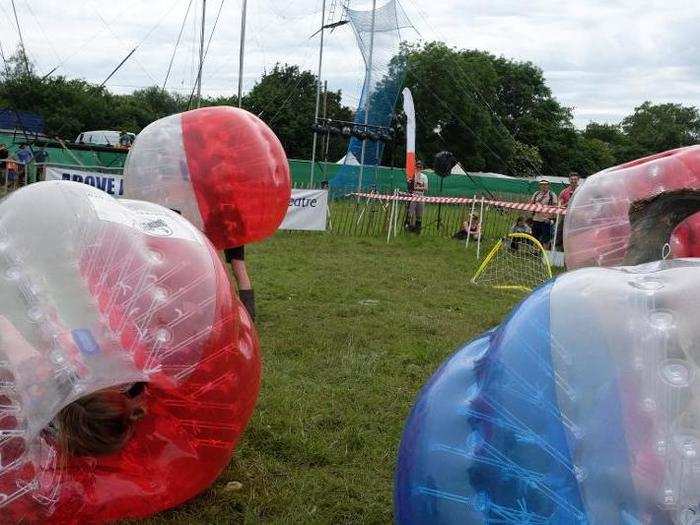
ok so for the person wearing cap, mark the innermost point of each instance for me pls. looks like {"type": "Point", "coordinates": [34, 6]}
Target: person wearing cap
{"type": "Point", "coordinates": [542, 222]}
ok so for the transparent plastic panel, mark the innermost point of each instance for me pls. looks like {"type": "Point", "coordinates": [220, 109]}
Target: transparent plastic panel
{"type": "Point", "coordinates": [156, 169]}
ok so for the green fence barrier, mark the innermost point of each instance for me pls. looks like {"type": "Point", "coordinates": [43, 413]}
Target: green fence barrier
{"type": "Point", "coordinates": [385, 180]}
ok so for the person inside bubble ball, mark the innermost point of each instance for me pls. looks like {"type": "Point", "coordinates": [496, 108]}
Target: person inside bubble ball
{"type": "Point", "coordinates": [101, 422]}
{"type": "Point", "coordinates": [98, 423]}
{"type": "Point", "coordinates": [236, 258]}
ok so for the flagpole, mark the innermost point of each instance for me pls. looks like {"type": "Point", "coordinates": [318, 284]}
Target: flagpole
{"type": "Point", "coordinates": [318, 91]}
{"type": "Point", "coordinates": [241, 52]}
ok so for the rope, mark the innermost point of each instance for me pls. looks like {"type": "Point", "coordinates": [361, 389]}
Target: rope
{"type": "Point", "coordinates": [177, 43]}
{"type": "Point", "coordinates": [405, 197]}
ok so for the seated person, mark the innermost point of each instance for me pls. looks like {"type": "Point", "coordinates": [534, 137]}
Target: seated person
{"type": "Point", "coordinates": [469, 229]}
{"type": "Point", "coordinates": [520, 226]}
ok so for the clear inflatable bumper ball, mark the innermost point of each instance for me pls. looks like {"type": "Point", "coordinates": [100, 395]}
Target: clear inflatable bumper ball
{"type": "Point", "coordinates": [638, 212]}
{"type": "Point", "coordinates": [222, 168]}
{"type": "Point", "coordinates": [102, 294]}
{"type": "Point", "coordinates": [582, 407]}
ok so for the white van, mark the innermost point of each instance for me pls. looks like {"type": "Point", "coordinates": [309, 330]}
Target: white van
{"type": "Point", "coordinates": [102, 137]}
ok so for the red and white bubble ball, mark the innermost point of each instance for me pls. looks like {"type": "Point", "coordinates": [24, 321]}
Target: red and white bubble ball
{"type": "Point", "coordinates": [641, 211]}
{"type": "Point", "coordinates": [222, 168]}
{"type": "Point", "coordinates": [100, 294]}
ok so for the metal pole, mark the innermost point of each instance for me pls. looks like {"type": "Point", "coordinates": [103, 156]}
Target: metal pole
{"type": "Point", "coordinates": [63, 145]}
{"type": "Point", "coordinates": [328, 135]}
{"type": "Point", "coordinates": [553, 247]}
{"type": "Point", "coordinates": [318, 90]}
{"type": "Point", "coordinates": [240, 54]}
{"type": "Point", "coordinates": [391, 217]}
{"type": "Point", "coordinates": [439, 222]}
{"type": "Point", "coordinates": [481, 227]}
{"type": "Point", "coordinates": [376, 166]}
{"type": "Point", "coordinates": [201, 54]}
{"type": "Point", "coordinates": [117, 68]}
{"type": "Point", "coordinates": [396, 215]}
{"type": "Point", "coordinates": [369, 86]}
{"type": "Point", "coordinates": [469, 226]}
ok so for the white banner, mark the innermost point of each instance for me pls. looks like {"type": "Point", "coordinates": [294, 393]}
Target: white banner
{"type": "Point", "coordinates": [308, 210]}
{"type": "Point", "coordinates": [111, 183]}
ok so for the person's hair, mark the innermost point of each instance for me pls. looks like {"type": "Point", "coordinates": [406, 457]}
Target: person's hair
{"type": "Point", "coordinates": [99, 423]}
{"type": "Point", "coordinates": [573, 174]}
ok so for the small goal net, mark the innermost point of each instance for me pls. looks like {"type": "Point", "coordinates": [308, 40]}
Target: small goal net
{"type": "Point", "coordinates": [516, 262]}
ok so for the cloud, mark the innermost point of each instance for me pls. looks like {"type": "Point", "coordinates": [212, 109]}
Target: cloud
{"type": "Point", "coordinates": [602, 58]}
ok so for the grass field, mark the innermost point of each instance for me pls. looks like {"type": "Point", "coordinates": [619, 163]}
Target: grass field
{"type": "Point", "coordinates": [350, 329]}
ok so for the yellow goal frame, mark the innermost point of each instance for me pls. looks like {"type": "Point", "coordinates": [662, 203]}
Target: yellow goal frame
{"type": "Point", "coordinates": [500, 245]}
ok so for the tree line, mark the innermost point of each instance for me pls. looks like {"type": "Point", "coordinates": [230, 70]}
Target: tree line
{"type": "Point", "coordinates": [495, 114]}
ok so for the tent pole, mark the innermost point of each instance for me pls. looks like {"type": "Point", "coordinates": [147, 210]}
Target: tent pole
{"type": "Point", "coordinates": [318, 91]}
{"type": "Point", "coordinates": [241, 53]}
{"type": "Point", "coordinates": [469, 227]}
{"type": "Point", "coordinates": [369, 86]}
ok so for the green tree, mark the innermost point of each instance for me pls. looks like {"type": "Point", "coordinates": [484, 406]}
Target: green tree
{"type": "Point", "coordinates": [490, 111]}
{"type": "Point", "coordinates": [449, 115]}
{"type": "Point", "coordinates": [135, 111]}
{"type": "Point", "coordinates": [70, 106]}
{"type": "Point", "coordinates": [591, 155]}
{"type": "Point", "coordinates": [659, 127]}
{"type": "Point", "coordinates": [618, 143]}
{"type": "Point", "coordinates": [285, 98]}
{"type": "Point", "coordinates": [525, 159]}
{"type": "Point", "coordinates": [18, 65]}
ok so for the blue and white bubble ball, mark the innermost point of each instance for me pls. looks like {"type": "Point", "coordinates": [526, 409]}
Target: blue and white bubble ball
{"type": "Point", "coordinates": [583, 406]}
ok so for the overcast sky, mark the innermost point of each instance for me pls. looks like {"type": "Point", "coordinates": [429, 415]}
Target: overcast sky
{"type": "Point", "coordinates": [600, 57]}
